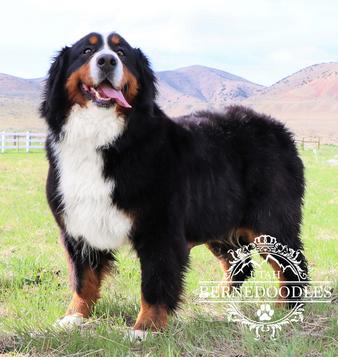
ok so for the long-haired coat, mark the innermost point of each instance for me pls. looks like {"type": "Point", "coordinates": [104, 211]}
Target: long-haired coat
{"type": "Point", "coordinates": [122, 171]}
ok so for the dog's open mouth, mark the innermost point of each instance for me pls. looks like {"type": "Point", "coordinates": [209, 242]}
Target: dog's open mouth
{"type": "Point", "coordinates": [105, 95]}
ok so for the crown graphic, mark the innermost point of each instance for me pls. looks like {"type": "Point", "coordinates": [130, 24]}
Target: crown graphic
{"type": "Point", "coordinates": [265, 240]}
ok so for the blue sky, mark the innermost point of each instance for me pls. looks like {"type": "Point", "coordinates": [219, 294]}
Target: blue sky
{"type": "Point", "coordinates": [261, 40]}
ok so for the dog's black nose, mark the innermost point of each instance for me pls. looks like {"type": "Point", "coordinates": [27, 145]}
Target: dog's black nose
{"type": "Point", "coordinates": [106, 62]}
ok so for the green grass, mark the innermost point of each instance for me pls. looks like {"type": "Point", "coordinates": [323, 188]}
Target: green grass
{"type": "Point", "coordinates": [34, 285]}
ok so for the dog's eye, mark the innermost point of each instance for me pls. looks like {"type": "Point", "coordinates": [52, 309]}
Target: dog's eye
{"type": "Point", "coordinates": [120, 53]}
{"type": "Point", "coordinates": [87, 50]}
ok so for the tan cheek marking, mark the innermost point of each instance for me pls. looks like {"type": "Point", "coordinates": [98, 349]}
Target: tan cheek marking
{"type": "Point", "coordinates": [130, 81]}
{"type": "Point", "coordinates": [154, 317]}
{"type": "Point", "coordinates": [73, 85]}
{"type": "Point", "coordinates": [129, 87]}
{"type": "Point", "coordinates": [115, 40]}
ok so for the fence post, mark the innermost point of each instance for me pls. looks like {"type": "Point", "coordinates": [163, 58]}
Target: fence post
{"type": "Point", "coordinates": [3, 142]}
{"type": "Point", "coordinates": [27, 141]}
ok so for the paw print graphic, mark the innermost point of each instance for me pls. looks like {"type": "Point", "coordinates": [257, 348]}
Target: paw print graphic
{"type": "Point", "coordinates": [265, 312]}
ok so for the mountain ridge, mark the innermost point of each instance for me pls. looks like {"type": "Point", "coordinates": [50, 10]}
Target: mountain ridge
{"type": "Point", "coordinates": [199, 87]}
{"type": "Point", "coordinates": [307, 101]}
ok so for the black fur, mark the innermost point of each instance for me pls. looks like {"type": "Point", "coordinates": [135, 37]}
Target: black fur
{"type": "Point", "coordinates": [195, 179]}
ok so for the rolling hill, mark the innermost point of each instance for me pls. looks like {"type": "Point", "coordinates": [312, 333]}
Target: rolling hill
{"type": "Point", "coordinates": [197, 87]}
{"type": "Point", "coordinates": [19, 101]}
{"type": "Point", "coordinates": [306, 100]}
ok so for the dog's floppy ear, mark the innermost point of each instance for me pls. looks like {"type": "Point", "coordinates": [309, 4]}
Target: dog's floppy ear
{"type": "Point", "coordinates": [54, 91]}
{"type": "Point", "coordinates": [147, 79]}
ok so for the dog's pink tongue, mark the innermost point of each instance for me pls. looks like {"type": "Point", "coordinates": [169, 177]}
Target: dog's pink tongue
{"type": "Point", "coordinates": [112, 93]}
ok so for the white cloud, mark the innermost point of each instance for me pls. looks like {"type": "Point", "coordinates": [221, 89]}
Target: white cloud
{"type": "Point", "coordinates": [261, 40]}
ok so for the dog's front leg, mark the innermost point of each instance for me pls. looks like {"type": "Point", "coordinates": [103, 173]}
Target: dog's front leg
{"type": "Point", "coordinates": [87, 268]}
{"type": "Point", "coordinates": [163, 264]}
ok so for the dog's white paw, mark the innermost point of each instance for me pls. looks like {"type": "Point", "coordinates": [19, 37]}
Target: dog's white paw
{"type": "Point", "coordinates": [70, 321]}
{"type": "Point", "coordinates": [138, 335]}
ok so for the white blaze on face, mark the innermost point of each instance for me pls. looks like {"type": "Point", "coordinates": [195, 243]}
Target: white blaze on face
{"type": "Point", "coordinates": [95, 71]}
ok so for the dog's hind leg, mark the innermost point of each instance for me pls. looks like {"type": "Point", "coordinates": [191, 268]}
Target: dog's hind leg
{"type": "Point", "coordinates": [243, 271]}
{"type": "Point", "coordinates": [292, 277]}
{"type": "Point", "coordinates": [285, 228]}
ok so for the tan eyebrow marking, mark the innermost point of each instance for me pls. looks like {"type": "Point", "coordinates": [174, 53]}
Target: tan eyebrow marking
{"type": "Point", "coordinates": [93, 40]}
{"type": "Point", "coordinates": [115, 40]}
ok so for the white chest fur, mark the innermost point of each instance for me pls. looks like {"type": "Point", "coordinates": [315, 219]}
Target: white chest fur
{"type": "Point", "coordinates": [87, 196]}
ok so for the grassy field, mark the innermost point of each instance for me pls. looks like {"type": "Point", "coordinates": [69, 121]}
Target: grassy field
{"type": "Point", "coordinates": [34, 285]}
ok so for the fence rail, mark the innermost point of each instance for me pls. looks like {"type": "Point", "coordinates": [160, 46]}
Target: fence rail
{"type": "Point", "coordinates": [25, 141]}
{"type": "Point", "coordinates": [22, 141]}
{"type": "Point", "coordinates": [310, 142]}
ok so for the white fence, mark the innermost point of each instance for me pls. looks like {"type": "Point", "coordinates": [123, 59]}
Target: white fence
{"type": "Point", "coordinates": [22, 141]}
{"type": "Point", "coordinates": [27, 141]}
{"type": "Point", "coordinates": [309, 143]}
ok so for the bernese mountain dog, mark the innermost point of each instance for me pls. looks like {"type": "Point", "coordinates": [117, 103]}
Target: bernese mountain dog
{"type": "Point", "coordinates": [120, 170]}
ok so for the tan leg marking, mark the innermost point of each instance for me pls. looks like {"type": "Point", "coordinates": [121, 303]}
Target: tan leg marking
{"type": "Point", "coordinates": [247, 233]}
{"type": "Point", "coordinates": [226, 284]}
{"type": "Point", "coordinates": [191, 245]}
{"type": "Point", "coordinates": [225, 265]}
{"type": "Point", "coordinates": [82, 302]}
{"type": "Point", "coordinates": [154, 317]}
{"type": "Point", "coordinates": [279, 274]}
